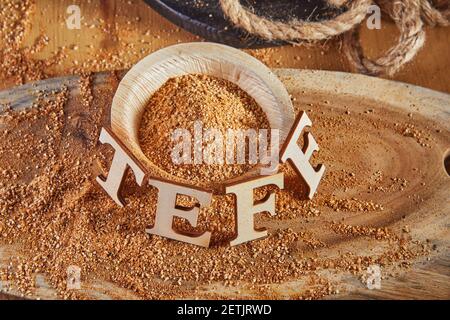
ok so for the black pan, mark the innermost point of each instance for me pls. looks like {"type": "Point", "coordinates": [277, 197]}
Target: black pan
{"type": "Point", "coordinates": [206, 19]}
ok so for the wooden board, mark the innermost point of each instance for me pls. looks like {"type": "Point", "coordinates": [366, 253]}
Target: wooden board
{"type": "Point", "coordinates": [333, 92]}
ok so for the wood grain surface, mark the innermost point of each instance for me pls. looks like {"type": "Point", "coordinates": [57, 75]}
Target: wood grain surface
{"type": "Point", "coordinates": [135, 23]}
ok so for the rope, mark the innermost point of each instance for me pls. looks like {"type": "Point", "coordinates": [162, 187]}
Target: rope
{"type": "Point", "coordinates": [408, 15]}
{"type": "Point", "coordinates": [433, 16]}
{"type": "Point", "coordinates": [295, 30]}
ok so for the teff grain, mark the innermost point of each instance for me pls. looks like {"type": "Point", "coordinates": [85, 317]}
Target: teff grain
{"type": "Point", "coordinates": [178, 104]}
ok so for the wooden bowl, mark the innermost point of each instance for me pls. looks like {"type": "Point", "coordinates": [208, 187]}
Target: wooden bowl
{"type": "Point", "coordinates": [146, 77]}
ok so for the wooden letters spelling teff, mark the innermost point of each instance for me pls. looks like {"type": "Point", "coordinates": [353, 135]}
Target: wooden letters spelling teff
{"type": "Point", "coordinates": [167, 209]}
{"type": "Point", "coordinates": [121, 162]}
{"type": "Point", "coordinates": [245, 205]}
{"type": "Point", "coordinates": [300, 158]}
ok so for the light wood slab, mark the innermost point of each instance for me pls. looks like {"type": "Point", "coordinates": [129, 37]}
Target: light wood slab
{"type": "Point", "coordinates": [426, 279]}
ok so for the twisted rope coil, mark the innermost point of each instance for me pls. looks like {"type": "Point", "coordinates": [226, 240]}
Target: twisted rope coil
{"type": "Point", "coordinates": [408, 15]}
{"type": "Point", "coordinates": [433, 16]}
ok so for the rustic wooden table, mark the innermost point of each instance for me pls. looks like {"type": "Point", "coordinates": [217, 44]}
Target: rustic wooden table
{"type": "Point", "coordinates": [129, 30]}
{"type": "Point", "coordinates": [132, 29]}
